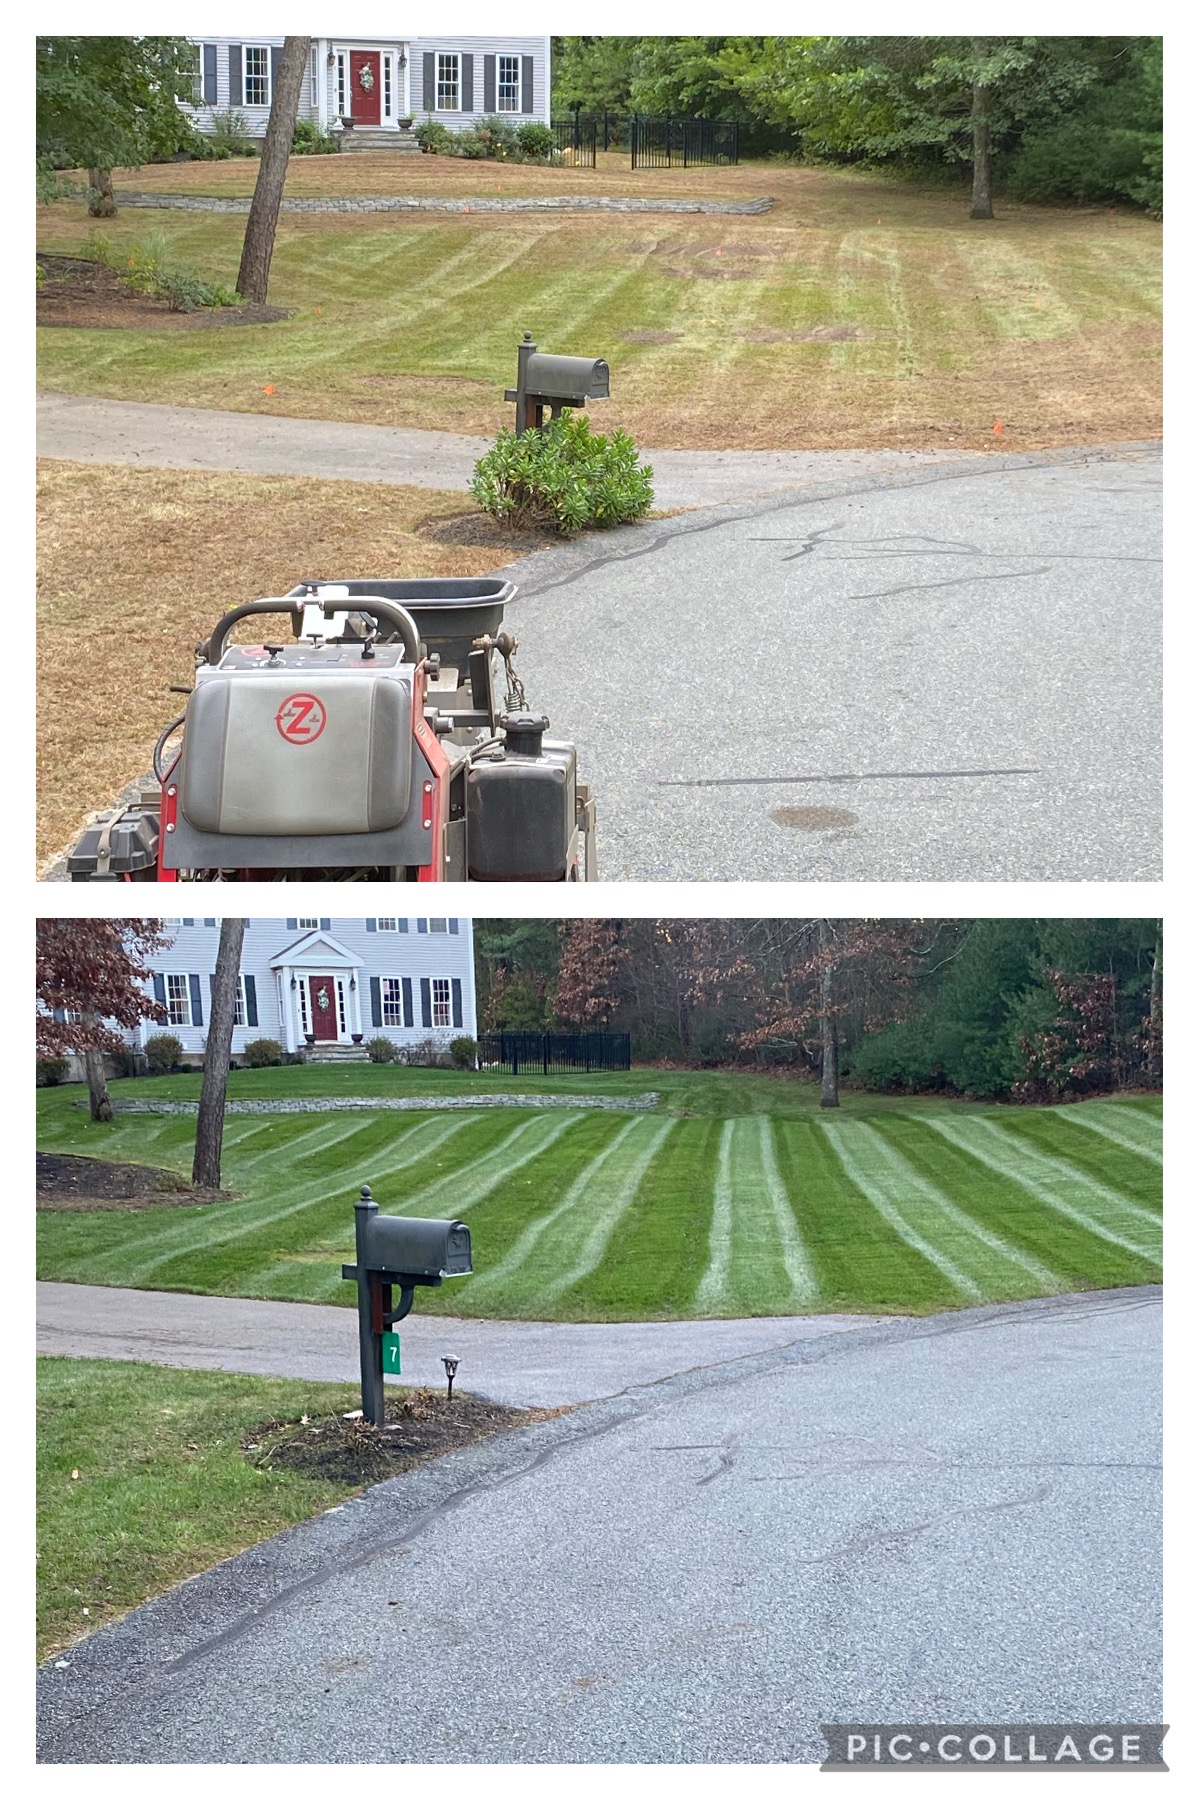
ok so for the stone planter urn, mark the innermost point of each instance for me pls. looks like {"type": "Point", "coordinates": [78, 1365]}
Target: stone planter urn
{"type": "Point", "coordinates": [357, 1036]}
{"type": "Point", "coordinates": [309, 1038]}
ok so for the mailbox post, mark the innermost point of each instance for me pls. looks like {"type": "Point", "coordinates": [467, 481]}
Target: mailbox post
{"type": "Point", "coordinates": [554, 382]}
{"type": "Point", "coordinates": [396, 1253]}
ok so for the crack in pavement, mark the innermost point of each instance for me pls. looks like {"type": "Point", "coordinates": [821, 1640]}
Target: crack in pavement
{"type": "Point", "coordinates": [862, 1541]}
{"type": "Point", "coordinates": [883, 775]}
{"type": "Point", "coordinates": [786, 500]}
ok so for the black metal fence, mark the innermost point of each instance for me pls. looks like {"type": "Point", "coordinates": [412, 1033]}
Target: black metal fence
{"type": "Point", "coordinates": [555, 1052]}
{"type": "Point", "coordinates": [682, 143]}
{"type": "Point", "coordinates": [574, 142]}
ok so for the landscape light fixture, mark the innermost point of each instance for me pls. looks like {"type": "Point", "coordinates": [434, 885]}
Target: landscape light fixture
{"type": "Point", "coordinates": [451, 1368]}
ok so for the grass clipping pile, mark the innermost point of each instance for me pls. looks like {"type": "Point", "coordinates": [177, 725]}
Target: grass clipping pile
{"type": "Point", "coordinates": [420, 1424]}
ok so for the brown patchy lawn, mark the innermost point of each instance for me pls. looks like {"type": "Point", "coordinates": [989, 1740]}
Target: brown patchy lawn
{"type": "Point", "coordinates": [136, 565]}
{"type": "Point", "coordinates": [861, 312]}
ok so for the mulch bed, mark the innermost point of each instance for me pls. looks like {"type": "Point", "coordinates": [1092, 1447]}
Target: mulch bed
{"type": "Point", "coordinates": [84, 1184]}
{"type": "Point", "coordinates": [471, 529]}
{"type": "Point", "coordinates": [91, 295]}
{"type": "Point", "coordinates": [420, 1424]}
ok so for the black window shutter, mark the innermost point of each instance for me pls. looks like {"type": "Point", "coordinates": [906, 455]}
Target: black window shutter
{"type": "Point", "coordinates": [457, 1001]}
{"type": "Point", "coordinates": [467, 87]}
{"type": "Point", "coordinates": [430, 81]}
{"type": "Point", "coordinates": [453, 928]}
{"type": "Point", "coordinates": [488, 85]}
{"type": "Point", "coordinates": [526, 84]}
{"type": "Point", "coordinates": [376, 1001]}
{"type": "Point", "coordinates": [275, 55]}
{"type": "Point", "coordinates": [426, 1001]}
{"type": "Point", "coordinates": [160, 989]}
{"type": "Point", "coordinates": [251, 1000]}
{"type": "Point", "coordinates": [293, 924]}
{"type": "Point", "coordinates": [210, 74]}
{"type": "Point", "coordinates": [234, 74]}
{"type": "Point", "coordinates": [326, 924]}
{"type": "Point", "coordinates": [422, 925]}
{"type": "Point", "coordinates": [372, 925]}
{"type": "Point", "coordinates": [197, 1004]}
{"type": "Point", "coordinates": [407, 1001]}
{"type": "Point", "coordinates": [403, 926]}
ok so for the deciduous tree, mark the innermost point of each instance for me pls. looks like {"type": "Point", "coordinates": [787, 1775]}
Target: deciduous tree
{"type": "Point", "coordinates": [589, 984]}
{"type": "Point", "coordinates": [253, 277]}
{"type": "Point", "coordinates": [210, 1122]}
{"type": "Point", "coordinates": [106, 103]}
{"type": "Point", "coordinates": [91, 971]}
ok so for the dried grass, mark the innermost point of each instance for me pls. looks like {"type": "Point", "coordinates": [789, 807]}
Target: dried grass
{"type": "Point", "coordinates": [136, 565]}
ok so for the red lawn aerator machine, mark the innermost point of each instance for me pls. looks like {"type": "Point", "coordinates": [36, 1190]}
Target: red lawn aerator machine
{"type": "Point", "coordinates": [371, 747]}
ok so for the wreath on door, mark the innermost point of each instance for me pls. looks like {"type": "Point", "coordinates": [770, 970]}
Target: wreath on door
{"type": "Point", "coordinates": [322, 999]}
{"type": "Point", "coordinates": [366, 76]}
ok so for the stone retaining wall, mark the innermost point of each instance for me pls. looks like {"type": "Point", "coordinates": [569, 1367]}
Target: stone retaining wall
{"type": "Point", "coordinates": [407, 203]}
{"type": "Point", "coordinates": [413, 1103]}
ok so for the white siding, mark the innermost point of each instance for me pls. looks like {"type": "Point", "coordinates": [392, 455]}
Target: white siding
{"type": "Point", "coordinates": [415, 954]}
{"type": "Point", "coordinates": [409, 84]}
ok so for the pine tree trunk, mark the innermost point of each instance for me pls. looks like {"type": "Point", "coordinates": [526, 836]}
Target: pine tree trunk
{"type": "Point", "coordinates": [97, 1087]}
{"type": "Point", "coordinates": [829, 1093]}
{"type": "Point", "coordinates": [101, 201]}
{"type": "Point", "coordinates": [983, 206]}
{"type": "Point", "coordinates": [258, 247]}
{"type": "Point", "coordinates": [210, 1124]}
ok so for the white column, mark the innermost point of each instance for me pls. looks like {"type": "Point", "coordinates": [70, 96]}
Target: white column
{"type": "Point", "coordinates": [355, 1004]}
{"type": "Point", "coordinates": [322, 83]}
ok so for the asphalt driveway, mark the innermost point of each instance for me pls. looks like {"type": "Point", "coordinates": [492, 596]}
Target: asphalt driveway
{"type": "Point", "coordinates": [940, 1520]}
{"type": "Point", "coordinates": [945, 674]}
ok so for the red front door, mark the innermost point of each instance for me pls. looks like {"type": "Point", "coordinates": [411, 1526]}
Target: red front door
{"type": "Point", "coordinates": [322, 997]}
{"type": "Point", "coordinates": [366, 87]}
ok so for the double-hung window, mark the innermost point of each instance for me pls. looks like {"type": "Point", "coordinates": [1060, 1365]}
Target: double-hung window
{"type": "Point", "coordinates": [392, 996]}
{"type": "Point", "coordinates": [239, 1003]}
{"type": "Point", "coordinates": [507, 84]}
{"type": "Point", "coordinates": [438, 925]}
{"type": "Point", "coordinates": [449, 82]}
{"type": "Point", "coordinates": [257, 75]}
{"type": "Point", "coordinates": [442, 997]}
{"type": "Point", "coordinates": [178, 1000]}
{"type": "Point", "coordinates": [196, 54]}
{"type": "Point", "coordinates": [307, 924]}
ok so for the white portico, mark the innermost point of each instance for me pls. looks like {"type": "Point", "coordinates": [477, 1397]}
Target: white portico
{"type": "Point", "coordinates": [319, 986]}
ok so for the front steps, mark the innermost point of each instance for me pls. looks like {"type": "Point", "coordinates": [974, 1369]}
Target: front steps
{"type": "Point", "coordinates": [336, 1053]}
{"type": "Point", "coordinates": [370, 137]}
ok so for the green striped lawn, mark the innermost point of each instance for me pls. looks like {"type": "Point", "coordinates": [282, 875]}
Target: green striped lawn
{"type": "Point", "coordinates": [732, 1208]}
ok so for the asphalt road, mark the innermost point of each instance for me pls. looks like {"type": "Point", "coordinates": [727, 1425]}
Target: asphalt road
{"type": "Point", "coordinates": [939, 675]}
{"type": "Point", "coordinates": [516, 1361]}
{"type": "Point", "coordinates": [936, 1520]}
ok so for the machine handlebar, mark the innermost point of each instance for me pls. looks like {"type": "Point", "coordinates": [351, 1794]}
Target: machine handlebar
{"type": "Point", "coordinates": [380, 610]}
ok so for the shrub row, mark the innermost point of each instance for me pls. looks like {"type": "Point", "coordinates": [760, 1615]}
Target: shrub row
{"type": "Point", "coordinates": [491, 140]}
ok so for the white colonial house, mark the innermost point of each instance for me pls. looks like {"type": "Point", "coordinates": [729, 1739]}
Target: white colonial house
{"type": "Point", "coordinates": [378, 87]}
{"type": "Point", "coordinates": [322, 985]}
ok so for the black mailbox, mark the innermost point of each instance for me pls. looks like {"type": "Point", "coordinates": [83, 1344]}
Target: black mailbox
{"type": "Point", "coordinates": [394, 1252]}
{"type": "Point", "coordinates": [570, 379]}
{"type": "Point", "coordinates": [554, 382]}
{"type": "Point", "coordinates": [425, 1249]}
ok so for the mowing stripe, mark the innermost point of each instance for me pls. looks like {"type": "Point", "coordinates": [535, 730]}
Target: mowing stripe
{"type": "Point", "coordinates": [526, 1243]}
{"type": "Point", "coordinates": [1047, 1180]}
{"type": "Point", "coordinates": [460, 1192]}
{"type": "Point", "coordinates": [752, 1221]}
{"type": "Point", "coordinates": [795, 1260]}
{"type": "Point", "coordinates": [713, 1288]}
{"type": "Point", "coordinates": [852, 1147]}
{"type": "Point", "coordinates": [907, 1176]}
{"type": "Point", "coordinates": [1116, 1134]}
{"type": "Point", "coordinates": [1042, 1165]}
{"type": "Point", "coordinates": [196, 1234]}
{"type": "Point", "coordinates": [605, 1202]}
